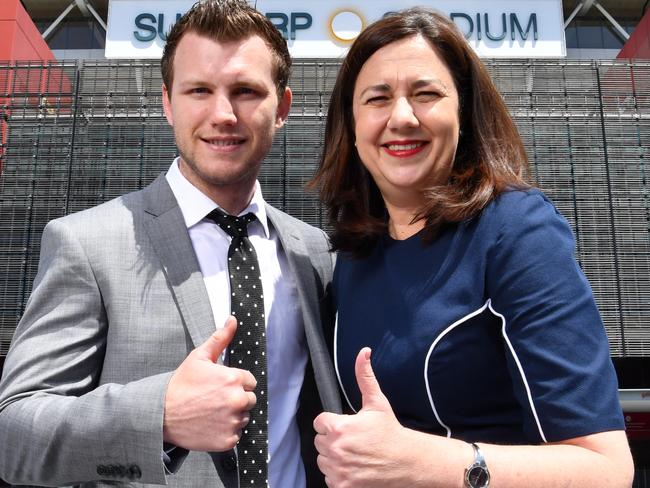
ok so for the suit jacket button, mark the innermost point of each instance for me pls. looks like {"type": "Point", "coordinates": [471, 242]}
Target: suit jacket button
{"type": "Point", "coordinates": [229, 463]}
{"type": "Point", "coordinates": [134, 472]}
{"type": "Point", "coordinates": [101, 470]}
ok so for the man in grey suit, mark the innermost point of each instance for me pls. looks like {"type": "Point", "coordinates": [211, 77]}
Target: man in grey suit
{"type": "Point", "coordinates": [116, 372]}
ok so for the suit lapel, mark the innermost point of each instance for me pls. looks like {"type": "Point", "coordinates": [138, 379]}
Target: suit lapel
{"type": "Point", "coordinates": [171, 241]}
{"type": "Point", "coordinates": [310, 304]}
{"type": "Point", "coordinates": [298, 258]}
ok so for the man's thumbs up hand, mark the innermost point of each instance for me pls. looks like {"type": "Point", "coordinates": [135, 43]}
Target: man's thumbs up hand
{"type": "Point", "coordinates": [214, 346]}
{"type": "Point", "coordinates": [207, 404]}
{"type": "Point", "coordinates": [361, 449]}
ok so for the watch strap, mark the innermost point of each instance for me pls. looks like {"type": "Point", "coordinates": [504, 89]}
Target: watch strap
{"type": "Point", "coordinates": [478, 455]}
{"type": "Point", "coordinates": [477, 474]}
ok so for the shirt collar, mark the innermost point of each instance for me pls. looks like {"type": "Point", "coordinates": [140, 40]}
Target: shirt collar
{"type": "Point", "coordinates": [195, 204]}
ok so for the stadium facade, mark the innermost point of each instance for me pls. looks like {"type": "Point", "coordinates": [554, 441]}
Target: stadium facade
{"type": "Point", "coordinates": [81, 122]}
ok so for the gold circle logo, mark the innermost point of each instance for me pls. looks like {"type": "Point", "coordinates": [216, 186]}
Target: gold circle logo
{"type": "Point", "coordinates": [345, 25]}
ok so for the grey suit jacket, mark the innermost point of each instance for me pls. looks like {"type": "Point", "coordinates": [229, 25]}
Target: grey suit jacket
{"type": "Point", "coordinates": [117, 304]}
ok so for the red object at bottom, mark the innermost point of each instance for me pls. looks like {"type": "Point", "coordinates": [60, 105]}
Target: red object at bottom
{"type": "Point", "coordinates": [637, 425]}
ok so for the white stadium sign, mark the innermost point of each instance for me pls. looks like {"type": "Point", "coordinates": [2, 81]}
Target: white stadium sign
{"type": "Point", "coordinates": [325, 28]}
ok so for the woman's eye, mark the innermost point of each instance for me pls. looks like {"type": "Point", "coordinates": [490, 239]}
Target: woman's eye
{"type": "Point", "coordinates": [427, 96]}
{"type": "Point", "coordinates": [377, 100]}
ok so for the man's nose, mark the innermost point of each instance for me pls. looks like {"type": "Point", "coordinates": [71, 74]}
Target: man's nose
{"type": "Point", "coordinates": [402, 114]}
{"type": "Point", "coordinates": [223, 111]}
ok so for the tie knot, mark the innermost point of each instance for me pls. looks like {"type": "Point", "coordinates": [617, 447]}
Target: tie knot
{"type": "Point", "coordinates": [233, 226]}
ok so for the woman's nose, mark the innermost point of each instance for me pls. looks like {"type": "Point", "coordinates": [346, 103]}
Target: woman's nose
{"type": "Point", "coordinates": [402, 115]}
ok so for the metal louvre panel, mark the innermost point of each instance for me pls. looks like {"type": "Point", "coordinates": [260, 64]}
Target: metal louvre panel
{"type": "Point", "coordinates": [122, 139]}
{"type": "Point", "coordinates": [37, 102]}
{"type": "Point", "coordinates": [299, 145]}
{"type": "Point", "coordinates": [79, 135]}
{"type": "Point", "coordinates": [626, 128]}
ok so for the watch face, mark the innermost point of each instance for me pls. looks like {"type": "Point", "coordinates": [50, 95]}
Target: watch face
{"type": "Point", "coordinates": [478, 477]}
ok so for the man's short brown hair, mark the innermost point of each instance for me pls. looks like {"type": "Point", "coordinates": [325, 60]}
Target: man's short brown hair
{"type": "Point", "coordinates": [227, 21]}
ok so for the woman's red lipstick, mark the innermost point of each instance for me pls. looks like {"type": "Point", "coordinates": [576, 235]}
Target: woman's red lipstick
{"type": "Point", "coordinates": [403, 149]}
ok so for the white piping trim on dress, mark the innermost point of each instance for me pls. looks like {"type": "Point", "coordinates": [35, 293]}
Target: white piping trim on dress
{"type": "Point", "coordinates": [336, 361]}
{"type": "Point", "coordinates": [521, 371]}
{"type": "Point", "coordinates": [426, 361]}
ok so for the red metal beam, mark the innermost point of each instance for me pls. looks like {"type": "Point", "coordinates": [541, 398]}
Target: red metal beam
{"type": "Point", "coordinates": [21, 41]}
{"type": "Point", "coordinates": [638, 45]}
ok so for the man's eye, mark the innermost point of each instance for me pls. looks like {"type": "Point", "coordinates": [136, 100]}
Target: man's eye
{"type": "Point", "coordinates": [244, 90]}
{"type": "Point", "coordinates": [199, 90]}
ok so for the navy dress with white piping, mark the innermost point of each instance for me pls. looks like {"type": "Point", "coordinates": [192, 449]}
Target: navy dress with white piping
{"type": "Point", "coordinates": [490, 333]}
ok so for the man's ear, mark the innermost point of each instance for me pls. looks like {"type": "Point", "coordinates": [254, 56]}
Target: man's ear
{"type": "Point", "coordinates": [167, 107]}
{"type": "Point", "coordinates": [283, 108]}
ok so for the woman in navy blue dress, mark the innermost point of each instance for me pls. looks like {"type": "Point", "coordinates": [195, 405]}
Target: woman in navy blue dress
{"type": "Point", "coordinates": [490, 363]}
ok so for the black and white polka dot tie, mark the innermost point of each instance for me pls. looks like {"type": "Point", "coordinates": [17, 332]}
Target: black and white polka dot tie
{"type": "Point", "coordinates": [248, 347]}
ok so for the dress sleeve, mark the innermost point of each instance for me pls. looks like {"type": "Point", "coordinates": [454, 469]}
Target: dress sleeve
{"type": "Point", "coordinates": [555, 342]}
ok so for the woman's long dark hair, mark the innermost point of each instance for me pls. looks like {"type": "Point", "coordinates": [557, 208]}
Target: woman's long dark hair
{"type": "Point", "coordinates": [490, 156]}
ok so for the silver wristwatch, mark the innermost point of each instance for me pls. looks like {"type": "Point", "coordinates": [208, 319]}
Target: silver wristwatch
{"type": "Point", "coordinates": [477, 474]}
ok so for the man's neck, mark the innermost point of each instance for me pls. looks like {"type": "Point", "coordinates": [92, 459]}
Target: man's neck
{"type": "Point", "coordinates": [232, 202]}
{"type": "Point", "coordinates": [232, 198]}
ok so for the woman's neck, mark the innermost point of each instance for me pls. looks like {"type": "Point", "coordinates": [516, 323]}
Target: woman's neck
{"type": "Point", "coordinates": [400, 222]}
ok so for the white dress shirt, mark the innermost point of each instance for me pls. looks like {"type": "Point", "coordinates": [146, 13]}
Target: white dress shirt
{"type": "Point", "coordinates": [286, 348]}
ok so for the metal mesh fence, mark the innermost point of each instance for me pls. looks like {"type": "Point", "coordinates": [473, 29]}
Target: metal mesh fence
{"type": "Point", "coordinates": [75, 135]}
